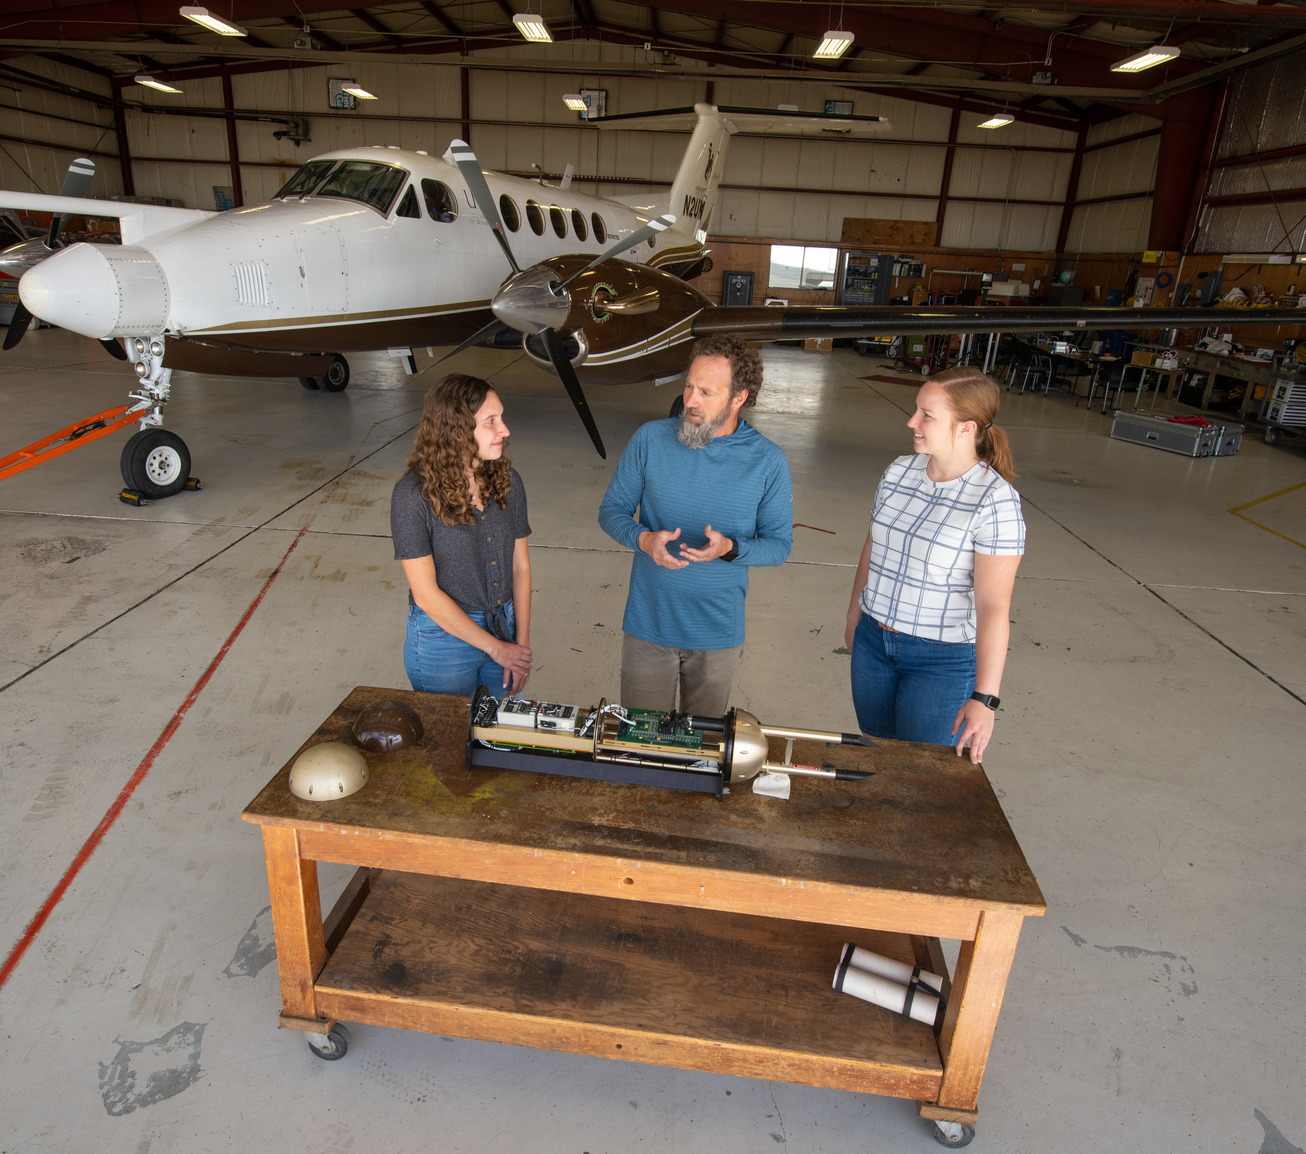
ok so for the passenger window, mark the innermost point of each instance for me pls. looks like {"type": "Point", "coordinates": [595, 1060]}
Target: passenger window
{"type": "Point", "coordinates": [508, 211]}
{"type": "Point", "coordinates": [578, 224]}
{"type": "Point", "coordinates": [559, 219]}
{"type": "Point", "coordinates": [535, 217]}
{"type": "Point", "coordinates": [441, 204]}
{"type": "Point", "coordinates": [600, 229]}
{"type": "Point", "coordinates": [408, 206]}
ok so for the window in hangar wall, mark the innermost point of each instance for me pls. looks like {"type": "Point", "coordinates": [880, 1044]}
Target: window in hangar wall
{"type": "Point", "coordinates": [803, 266]}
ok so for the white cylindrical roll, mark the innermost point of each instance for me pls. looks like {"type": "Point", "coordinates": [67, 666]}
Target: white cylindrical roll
{"type": "Point", "coordinates": [881, 992]}
{"type": "Point", "coordinates": [882, 967]}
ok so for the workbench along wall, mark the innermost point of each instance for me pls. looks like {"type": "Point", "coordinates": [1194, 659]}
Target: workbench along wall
{"type": "Point", "coordinates": [1007, 189]}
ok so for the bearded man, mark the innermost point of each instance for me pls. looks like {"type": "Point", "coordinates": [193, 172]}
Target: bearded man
{"type": "Point", "coordinates": [700, 499]}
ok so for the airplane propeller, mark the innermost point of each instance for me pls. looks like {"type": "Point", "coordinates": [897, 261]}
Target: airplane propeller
{"type": "Point", "coordinates": [535, 301]}
{"type": "Point", "coordinates": [32, 251]}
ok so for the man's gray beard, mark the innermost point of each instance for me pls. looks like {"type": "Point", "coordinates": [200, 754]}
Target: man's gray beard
{"type": "Point", "coordinates": [696, 436]}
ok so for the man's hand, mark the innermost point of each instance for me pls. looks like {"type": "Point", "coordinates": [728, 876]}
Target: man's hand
{"type": "Point", "coordinates": [717, 546]}
{"type": "Point", "coordinates": [655, 543]}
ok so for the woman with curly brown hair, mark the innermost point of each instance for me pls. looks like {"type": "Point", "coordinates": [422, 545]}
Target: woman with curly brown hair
{"type": "Point", "coordinates": [458, 518]}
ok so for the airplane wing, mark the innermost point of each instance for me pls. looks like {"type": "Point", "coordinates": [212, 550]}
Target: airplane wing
{"type": "Point", "coordinates": [136, 221]}
{"type": "Point", "coordinates": [798, 322]}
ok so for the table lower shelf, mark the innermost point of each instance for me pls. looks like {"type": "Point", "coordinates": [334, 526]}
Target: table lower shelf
{"type": "Point", "coordinates": [680, 987]}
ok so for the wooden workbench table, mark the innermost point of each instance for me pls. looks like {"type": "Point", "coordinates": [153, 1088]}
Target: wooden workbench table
{"type": "Point", "coordinates": [650, 924]}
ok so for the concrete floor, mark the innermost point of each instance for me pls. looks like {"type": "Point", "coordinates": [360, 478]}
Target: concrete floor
{"type": "Point", "coordinates": [1148, 756]}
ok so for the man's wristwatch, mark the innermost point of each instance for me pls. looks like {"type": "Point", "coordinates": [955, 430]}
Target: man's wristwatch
{"type": "Point", "coordinates": [734, 551]}
{"type": "Point", "coordinates": [986, 699]}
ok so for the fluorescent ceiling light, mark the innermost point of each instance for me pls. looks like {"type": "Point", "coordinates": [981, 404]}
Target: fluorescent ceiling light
{"type": "Point", "coordinates": [997, 120]}
{"type": "Point", "coordinates": [360, 93]}
{"type": "Point", "coordinates": [1148, 58]}
{"type": "Point", "coordinates": [833, 45]}
{"type": "Point", "coordinates": [533, 28]}
{"type": "Point", "coordinates": [150, 82]}
{"type": "Point", "coordinates": [213, 23]}
{"type": "Point", "coordinates": [575, 102]}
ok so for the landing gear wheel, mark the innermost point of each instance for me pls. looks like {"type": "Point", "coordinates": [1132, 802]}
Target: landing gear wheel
{"type": "Point", "coordinates": [155, 463]}
{"type": "Point", "coordinates": [313, 383]}
{"type": "Point", "coordinates": [954, 1134]}
{"type": "Point", "coordinates": [337, 376]}
{"type": "Point", "coordinates": [678, 406]}
{"type": "Point", "coordinates": [334, 1046]}
{"type": "Point", "coordinates": [1271, 435]}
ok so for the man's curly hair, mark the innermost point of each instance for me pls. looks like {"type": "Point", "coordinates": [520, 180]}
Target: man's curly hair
{"type": "Point", "coordinates": [745, 362]}
{"type": "Point", "coordinates": [445, 447]}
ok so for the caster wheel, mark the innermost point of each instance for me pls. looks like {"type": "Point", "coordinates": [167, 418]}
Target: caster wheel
{"type": "Point", "coordinates": [954, 1134]}
{"type": "Point", "coordinates": [337, 376]}
{"type": "Point", "coordinates": [313, 383]}
{"type": "Point", "coordinates": [677, 406]}
{"type": "Point", "coordinates": [925, 370]}
{"type": "Point", "coordinates": [155, 463]}
{"type": "Point", "coordinates": [1271, 435]}
{"type": "Point", "coordinates": [333, 1046]}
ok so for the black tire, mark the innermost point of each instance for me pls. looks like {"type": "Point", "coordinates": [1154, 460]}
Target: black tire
{"type": "Point", "coordinates": [678, 405]}
{"type": "Point", "coordinates": [337, 1045]}
{"type": "Point", "coordinates": [155, 462]}
{"type": "Point", "coordinates": [311, 382]}
{"type": "Point", "coordinates": [1272, 435]}
{"type": "Point", "coordinates": [337, 376]}
{"type": "Point", "coordinates": [964, 1139]}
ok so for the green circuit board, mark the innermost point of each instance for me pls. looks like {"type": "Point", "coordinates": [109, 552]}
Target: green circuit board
{"type": "Point", "coordinates": [651, 727]}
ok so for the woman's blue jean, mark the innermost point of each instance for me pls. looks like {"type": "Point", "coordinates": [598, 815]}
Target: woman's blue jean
{"type": "Point", "coordinates": [908, 687]}
{"type": "Point", "coordinates": [438, 662]}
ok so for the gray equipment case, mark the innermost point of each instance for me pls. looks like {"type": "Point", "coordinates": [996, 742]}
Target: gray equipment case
{"type": "Point", "coordinates": [1213, 440]}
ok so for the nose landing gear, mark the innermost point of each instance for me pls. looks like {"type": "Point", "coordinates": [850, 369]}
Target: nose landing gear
{"type": "Point", "coordinates": [155, 462]}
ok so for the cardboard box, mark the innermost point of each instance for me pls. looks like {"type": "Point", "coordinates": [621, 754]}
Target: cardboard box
{"type": "Point", "coordinates": [818, 345]}
{"type": "Point", "coordinates": [1141, 358]}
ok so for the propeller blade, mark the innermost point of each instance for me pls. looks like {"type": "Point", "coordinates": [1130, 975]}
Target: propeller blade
{"type": "Point", "coordinates": [558, 355]}
{"type": "Point", "coordinates": [114, 349]}
{"type": "Point", "coordinates": [17, 326]}
{"type": "Point", "coordinates": [470, 167]}
{"type": "Point", "coordinates": [74, 184]}
{"type": "Point", "coordinates": [14, 224]}
{"type": "Point", "coordinates": [481, 334]}
{"type": "Point", "coordinates": [639, 236]}
{"type": "Point", "coordinates": [79, 177]}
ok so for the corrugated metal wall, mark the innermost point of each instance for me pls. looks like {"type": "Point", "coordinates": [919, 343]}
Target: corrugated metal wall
{"type": "Point", "coordinates": [1006, 189]}
{"type": "Point", "coordinates": [1266, 113]}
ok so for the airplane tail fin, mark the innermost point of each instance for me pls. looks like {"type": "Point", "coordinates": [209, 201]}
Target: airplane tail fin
{"type": "Point", "coordinates": [694, 190]}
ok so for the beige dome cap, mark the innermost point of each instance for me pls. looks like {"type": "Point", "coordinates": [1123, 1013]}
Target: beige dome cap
{"type": "Point", "coordinates": [327, 772]}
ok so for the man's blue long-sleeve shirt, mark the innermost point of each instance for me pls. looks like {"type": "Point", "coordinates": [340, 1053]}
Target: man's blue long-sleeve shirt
{"type": "Point", "coordinates": [740, 486]}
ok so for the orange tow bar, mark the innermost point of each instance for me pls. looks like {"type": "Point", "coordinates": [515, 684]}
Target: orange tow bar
{"type": "Point", "coordinates": [82, 433]}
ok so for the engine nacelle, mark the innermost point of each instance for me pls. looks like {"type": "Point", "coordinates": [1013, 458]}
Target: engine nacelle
{"type": "Point", "coordinates": [635, 319]}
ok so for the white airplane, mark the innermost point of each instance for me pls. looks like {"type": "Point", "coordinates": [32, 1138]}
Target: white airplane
{"type": "Point", "coordinates": [379, 248]}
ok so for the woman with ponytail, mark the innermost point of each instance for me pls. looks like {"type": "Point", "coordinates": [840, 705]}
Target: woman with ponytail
{"type": "Point", "coordinates": [458, 518]}
{"type": "Point", "coordinates": [928, 621]}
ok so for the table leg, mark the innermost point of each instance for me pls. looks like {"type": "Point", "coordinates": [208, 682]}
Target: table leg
{"type": "Point", "coordinates": [972, 1015]}
{"type": "Point", "coordinates": [296, 920]}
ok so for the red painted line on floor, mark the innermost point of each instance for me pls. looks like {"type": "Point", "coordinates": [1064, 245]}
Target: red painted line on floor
{"type": "Point", "coordinates": [111, 814]}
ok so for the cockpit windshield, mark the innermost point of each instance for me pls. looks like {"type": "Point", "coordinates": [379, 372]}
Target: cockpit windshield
{"type": "Point", "coordinates": [373, 184]}
{"type": "Point", "coordinates": [307, 178]}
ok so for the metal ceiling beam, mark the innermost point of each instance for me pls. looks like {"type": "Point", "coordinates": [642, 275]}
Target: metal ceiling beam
{"type": "Point", "coordinates": [437, 13]}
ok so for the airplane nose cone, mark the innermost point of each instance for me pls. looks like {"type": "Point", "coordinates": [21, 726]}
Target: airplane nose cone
{"type": "Point", "coordinates": [532, 301]}
{"type": "Point", "coordinates": [99, 291]}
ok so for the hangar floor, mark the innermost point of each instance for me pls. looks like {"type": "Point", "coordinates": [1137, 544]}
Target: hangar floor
{"type": "Point", "coordinates": [1148, 755]}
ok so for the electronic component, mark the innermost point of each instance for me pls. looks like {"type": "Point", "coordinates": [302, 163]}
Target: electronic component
{"type": "Point", "coordinates": [639, 746]}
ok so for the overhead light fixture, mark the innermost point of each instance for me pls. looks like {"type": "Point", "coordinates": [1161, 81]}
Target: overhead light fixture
{"type": "Point", "coordinates": [575, 101]}
{"type": "Point", "coordinates": [833, 45]}
{"type": "Point", "coordinates": [997, 120]}
{"type": "Point", "coordinates": [150, 82]}
{"type": "Point", "coordinates": [213, 23]}
{"type": "Point", "coordinates": [1149, 58]}
{"type": "Point", "coordinates": [360, 93]}
{"type": "Point", "coordinates": [533, 28]}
